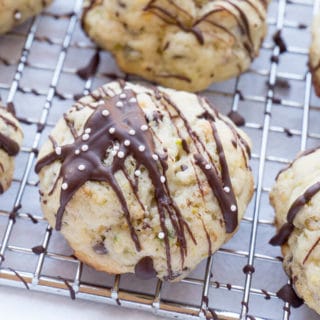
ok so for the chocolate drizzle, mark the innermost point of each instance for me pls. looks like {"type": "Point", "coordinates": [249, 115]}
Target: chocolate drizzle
{"type": "Point", "coordinates": [6, 143]}
{"type": "Point", "coordinates": [287, 294]}
{"type": "Point", "coordinates": [86, 72]}
{"type": "Point", "coordinates": [283, 234]}
{"type": "Point", "coordinates": [119, 120]}
{"type": "Point", "coordinates": [144, 269]}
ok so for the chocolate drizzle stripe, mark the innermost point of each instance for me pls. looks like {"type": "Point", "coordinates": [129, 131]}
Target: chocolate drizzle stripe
{"type": "Point", "coordinates": [99, 140]}
{"type": "Point", "coordinates": [310, 251]}
{"type": "Point", "coordinates": [285, 231]}
{"type": "Point", "coordinates": [9, 145]}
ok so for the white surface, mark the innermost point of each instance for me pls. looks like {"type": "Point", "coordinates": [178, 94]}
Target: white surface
{"type": "Point", "coordinates": [23, 304]}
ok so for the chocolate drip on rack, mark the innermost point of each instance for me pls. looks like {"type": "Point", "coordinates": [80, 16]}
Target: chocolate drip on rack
{"type": "Point", "coordinates": [119, 119]}
{"type": "Point", "coordinates": [287, 294]}
{"type": "Point", "coordinates": [86, 72]}
{"type": "Point", "coordinates": [285, 231]}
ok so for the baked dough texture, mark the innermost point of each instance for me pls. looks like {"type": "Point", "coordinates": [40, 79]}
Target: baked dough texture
{"type": "Point", "coordinates": [184, 44]}
{"type": "Point", "coordinates": [10, 141]}
{"type": "Point", "coordinates": [144, 179]}
{"type": "Point", "coordinates": [15, 12]}
{"type": "Point", "coordinates": [314, 55]}
{"type": "Point", "coordinates": [296, 199]}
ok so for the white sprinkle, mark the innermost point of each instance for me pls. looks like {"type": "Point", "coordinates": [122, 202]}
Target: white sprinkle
{"type": "Point", "coordinates": [77, 151]}
{"type": "Point", "coordinates": [114, 152]}
{"type": "Point", "coordinates": [85, 147]}
{"type": "Point", "coordinates": [127, 143]}
{"type": "Point", "coordinates": [123, 96]}
{"type": "Point", "coordinates": [142, 148]}
{"type": "Point", "coordinates": [121, 154]}
{"type": "Point", "coordinates": [144, 127]}
{"type": "Point", "coordinates": [101, 102]}
{"type": "Point", "coordinates": [137, 173]}
{"type": "Point", "coordinates": [17, 15]}
{"type": "Point", "coordinates": [88, 130]}
{"type": "Point", "coordinates": [208, 166]}
{"type": "Point", "coordinates": [64, 186]}
{"type": "Point", "coordinates": [81, 167]}
{"type": "Point", "coordinates": [233, 208]}
{"type": "Point", "coordinates": [85, 137]}
{"type": "Point", "coordinates": [105, 112]}
{"type": "Point", "coordinates": [132, 132]}
{"type": "Point", "coordinates": [161, 235]}
{"type": "Point", "coordinates": [133, 100]}
{"type": "Point", "coordinates": [155, 157]}
{"type": "Point", "coordinates": [226, 189]}
{"type": "Point", "coordinates": [119, 104]}
{"type": "Point", "coordinates": [112, 130]}
{"type": "Point", "coordinates": [162, 179]}
{"type": "Point", "coordinates": [58, 150]}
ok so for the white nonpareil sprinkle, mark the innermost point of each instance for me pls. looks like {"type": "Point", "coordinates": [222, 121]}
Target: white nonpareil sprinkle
{"type": "Point", "coordinates": [161, 235]}
{"type": "Point", "coordinates": [127, 143]}
{"type": "Point", "coordinates": [58, 150]}
{"type": "Point", "coordinates": [226, 189]}
{"type": "Point", "coordinates": [17, 15]}
{"type": "Point", "coordinates": [121, 154]}
{"type": "Point", "coordinates": [137, 173]}
{"type": "Point", "coordinates": [155, 157]}
{"type": "Point", "coordinates": [85, 147]}
{"type": "Point", "coordinates": [144, 127]}
{"type": "Point", "coordinates": [208, 166]}
{"type": "Point", "coordinates": [132, 132]}
{"type": "Point", "coordinates": [119, 104]}
{"type": "Point", "coordinates": [123, 96]}
{"type": "Point", "coordinates": [233, 208]}
{"type": "Point", "coordinates": [142, 148]}
{"type": "Point", "coordinates": [88, 130]}
{"type": "Point", "coordinates": [162, 179]}
{"type": "Point", "coordinates": [81, 167]}
{"type": "Point", "coordinates": [112, 130]}
{"type": "Point", "coordinates": [133, 100]}
{"type": "Point", "coordinates": [64, 186]}
{"type": "Point", "coordinates": [77, 151]}
{"type": "Point", "coordinates": [85, 137]}
{"type": "Point", "coordinates": [105, 112]}
{"type": "Point", "coordinates": [101, 102]}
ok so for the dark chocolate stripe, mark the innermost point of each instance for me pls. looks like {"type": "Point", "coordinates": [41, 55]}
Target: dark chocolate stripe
{"type": "Point", "coordinates": [284, 233]}
{"type": "Point", "coordinates": [9, 145]}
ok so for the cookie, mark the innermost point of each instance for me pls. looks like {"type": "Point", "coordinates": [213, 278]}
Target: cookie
{"type": "Point", "coordinates": [185, 45]}
{"type": "Point", "coordinates": [296, 199]}
{"type": "Point", "coordinates": [10, 141]}
{"type": "Point", "coordinates": [144, 179]}
{"type": "Point", "coordinates": [15, 12]}
{"type": "Point", "coordinates": [314, 54]}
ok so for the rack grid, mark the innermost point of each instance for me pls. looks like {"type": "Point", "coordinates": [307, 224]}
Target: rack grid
{"type": "Point", "coordinates": [38, 74]}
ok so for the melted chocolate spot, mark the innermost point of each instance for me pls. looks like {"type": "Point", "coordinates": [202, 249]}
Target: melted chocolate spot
{"type": "Point", "coordinates": [11, 108]}
{"type": "Point", "coordinates": [71, 291]}
{"type": "Point", "coordinates": [288, 132]}
{"type": "Point", "coordinates": [32, 218]}
{"type": "Point", "coordinates": [144, 269]}
{"type": "Point", "coordinates": [267, 295]}
{"type": "Point", "coordinates": [91, 69]}
{"type": "Point", "coordinates": [278, 40]}
{"type": "Point", "coordinates": [20, 278]}
{"type": "Point", "coordinates": [287, 294]}
{"type": "Point", "coordinates": [237, 118]}
{"type": "Point", "coordinates": [100, 248]}
{"type": "Point", "coordinates": [248, 269]}
{"type": "Point", "coordinates": [38, 249]}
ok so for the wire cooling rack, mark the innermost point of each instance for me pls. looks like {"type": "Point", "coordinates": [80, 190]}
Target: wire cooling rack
{"type": "Point", "coordinates": [38, 66]}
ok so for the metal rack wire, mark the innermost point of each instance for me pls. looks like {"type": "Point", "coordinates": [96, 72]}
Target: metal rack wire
{"type": "Point", "coordinates": [38, 64]}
